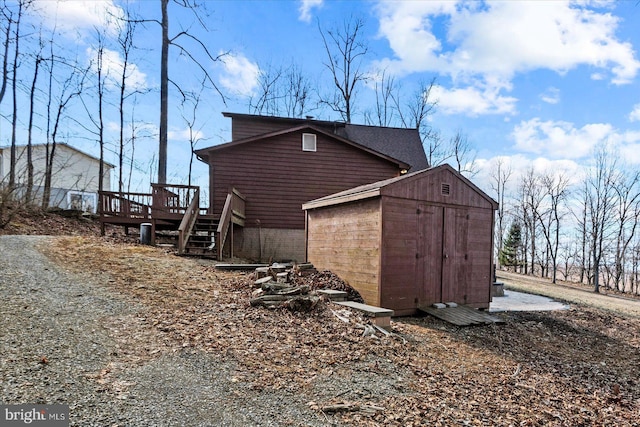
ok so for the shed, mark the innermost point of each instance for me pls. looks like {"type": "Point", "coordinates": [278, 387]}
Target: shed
{"type": "Point", "coordinates": [407, 242]}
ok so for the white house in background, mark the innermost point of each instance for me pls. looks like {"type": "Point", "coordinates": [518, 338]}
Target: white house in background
{"type": "Point", "coordinates": [74, 178]}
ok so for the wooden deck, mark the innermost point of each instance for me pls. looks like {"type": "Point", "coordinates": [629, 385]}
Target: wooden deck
{"type": "Point", "coordinates": [175, 208]}
{"type": "Point", "coordinates": [461, 315]}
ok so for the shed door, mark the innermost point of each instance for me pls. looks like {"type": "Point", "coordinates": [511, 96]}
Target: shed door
{"type": "Point", "coordinates": [443, 266]}
{"type": "Point", "coordinates": [456, 264]}
{"type": "Point", "coordinates": [429, 256]}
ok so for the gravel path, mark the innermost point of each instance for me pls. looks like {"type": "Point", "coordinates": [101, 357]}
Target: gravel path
{"type": "Point", "coordinates": [66, 339]}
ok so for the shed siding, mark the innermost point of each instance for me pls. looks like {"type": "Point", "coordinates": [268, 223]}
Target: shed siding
{"type": "Point", "coordinates": [346, 240]}
{"type": "Point", "coordinates": [400, 245]}
{"type": "Point", "coordinates": [277, 177]}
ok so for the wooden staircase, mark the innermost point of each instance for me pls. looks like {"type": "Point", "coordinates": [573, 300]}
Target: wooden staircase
{"type": "Point", "coordinates": [205, 235]}
{"type": "Point", "coordinates": [201, 242]}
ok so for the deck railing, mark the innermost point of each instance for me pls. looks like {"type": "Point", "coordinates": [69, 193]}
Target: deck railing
{"type": "Point", "coordinates": [232, 213]}
{"type": "Point", "coordinates": [166, 201]}
{"type": "Point", "coordinates": [125, 205]}
{"type": "Point", "coordinates": [172, 201]}
{"type": "Point", "coordinates": [188, 221]}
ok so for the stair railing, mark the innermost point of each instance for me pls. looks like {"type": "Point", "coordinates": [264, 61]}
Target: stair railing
{"type": "Point", "coordinates": [188, 221]}
{"type": "Point", "coordinates": [232, 213]}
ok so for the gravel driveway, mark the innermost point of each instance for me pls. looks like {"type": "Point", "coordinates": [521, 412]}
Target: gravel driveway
{"type": "Point", "coordinates": [66, 339]}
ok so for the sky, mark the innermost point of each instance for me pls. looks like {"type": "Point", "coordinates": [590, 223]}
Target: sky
{"type": "Point", "coordinates": [531, 83]}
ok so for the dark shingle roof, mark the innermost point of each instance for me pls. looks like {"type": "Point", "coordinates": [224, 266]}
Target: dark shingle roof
{"type": "Point", "coordinates": [399, 143]}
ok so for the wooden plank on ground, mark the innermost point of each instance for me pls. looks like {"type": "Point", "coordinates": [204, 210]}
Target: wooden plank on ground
{"type": "Point", "coordinates": [221, 266]}
{"type": "Point", "coordinates": [370, 310]}
{"type": "Point", "coordinates": [461, 316]}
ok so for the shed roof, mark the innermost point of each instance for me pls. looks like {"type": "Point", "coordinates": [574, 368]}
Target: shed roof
{"type": "Point", "coordinates": [401, 144]}
{"type": "Point", "coordinates": [376, 189]}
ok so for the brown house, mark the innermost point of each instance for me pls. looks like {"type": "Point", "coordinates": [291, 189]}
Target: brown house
{"type": "Point", "coordinates": [277, 164]}
{"type": "Point", "coordinates": [408, 242]}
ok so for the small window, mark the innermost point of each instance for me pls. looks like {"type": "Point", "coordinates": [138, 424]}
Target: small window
{"type": "Point", "coordinates": [445, 189]}
{"type": "Point", "coordinates": [82, 201]}
{"type": "Point", "coordinates": [308, 142]}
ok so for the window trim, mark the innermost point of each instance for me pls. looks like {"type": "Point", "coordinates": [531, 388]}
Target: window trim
{"type": "Point", "coordinates": [305, 144]}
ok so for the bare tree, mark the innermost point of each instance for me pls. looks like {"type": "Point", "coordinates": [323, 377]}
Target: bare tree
{"type": "Point", "coordinates": [38, 59]}
{"type": "Point", "coordinates": [167, 41]}
{"type": "Point", "coordinates": [531, 197]}
{"type": "Point", "coordinates": [266, 101]}
{"type": "Point", "coordinates": [627, 189]}
{"type": "Point", "coordinates": [500, 175]}
{"type": "Point", "coordinates": [125, 42]}
{"type": "Point", "coordinates": [556, 192]}
{"type": "Point", "coordinates": [600, 202]}
{"type": "Point", "coordinates": [190, 114]}
{"type": "Point", "coordinates": [463, 154]}
{"type": "Point", "coordinates": [8, 20]}
{"type": "Point", "coordinates": [384, 86]}
{"type": "Point", "coordinates": [71, 88]}
{"type": "Point", "coordinates": [297, 96]}
{"type": "Point", "coordinates": [14, 86]}
{"type": "Point", "coordinates": [281, 91]}
{"type": "Point", "coordinates": [345, 53]}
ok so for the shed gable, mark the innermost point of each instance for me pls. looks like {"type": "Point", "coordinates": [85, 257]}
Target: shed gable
{"type": "Point", "coordinates": [439, 185]}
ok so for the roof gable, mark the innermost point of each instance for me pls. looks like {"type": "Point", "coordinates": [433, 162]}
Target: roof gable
{"type": "Point", "coordinates": [205, 152]}
{"type": "Point", "coordinates": [400, 144]}
{"type": "Point", "coordinates": [62, 146]}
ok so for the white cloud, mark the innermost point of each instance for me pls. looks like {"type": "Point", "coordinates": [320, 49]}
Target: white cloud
{"type": "Point", "coordinates": [485, 44]}
{"type": "Point", "coordinates": [69, 15]}
{"type": "Point", "coordinates": [634, 116]}
{"type": "Point", "coordinates": [503, 38]}
{"type": "Point", "coordinates": [551, 95]}
{"type": "Point", "coordinates": [240, 75]}
{"type": "Point", "coordinates": [558, 139]}
{"type": "Point", "coordinates": [112, 66]}
{"type": "Point", "coordinates": [518, 165]}
{"type": "Point", "coordinates": [305, 8]}
{"type": "Point", "coordinates": [183, 135]}
{"type": "Point", "coordinates": [473, 101]}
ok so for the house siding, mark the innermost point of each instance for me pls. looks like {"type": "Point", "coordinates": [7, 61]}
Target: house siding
{"type": "Point", "coordinates": [74, 175]}
{"type": "Point", "coordinates": [245, 127]}
{"type": "Point", "coordinates": [72, 170]}
{"type": "Point", "coordinates": [277, 177]}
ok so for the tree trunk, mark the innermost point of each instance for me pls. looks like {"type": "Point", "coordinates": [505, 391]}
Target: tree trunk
{"type": "Point", "coordinates": [14, 118]}
{"type": "Point", "coordinates": [29, 190]}
{"type": "Point", "coordinates": [164, 88]}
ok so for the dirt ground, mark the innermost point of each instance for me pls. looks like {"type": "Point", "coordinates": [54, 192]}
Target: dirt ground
{"type": "Point", "coordinates": [577, 367]}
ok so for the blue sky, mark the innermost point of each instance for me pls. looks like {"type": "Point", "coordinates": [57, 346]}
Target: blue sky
{"type": "Point", "coordinates": [535, 83]}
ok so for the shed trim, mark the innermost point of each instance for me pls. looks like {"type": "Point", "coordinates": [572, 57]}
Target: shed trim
{"type": "Point", "coordinates": [378, 189]}
{"type": "Point", "coordinates": [340, 199]}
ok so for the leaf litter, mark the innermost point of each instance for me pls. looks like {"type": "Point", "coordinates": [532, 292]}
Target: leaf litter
{"type": "Point", "coordinates": [563, 368]}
